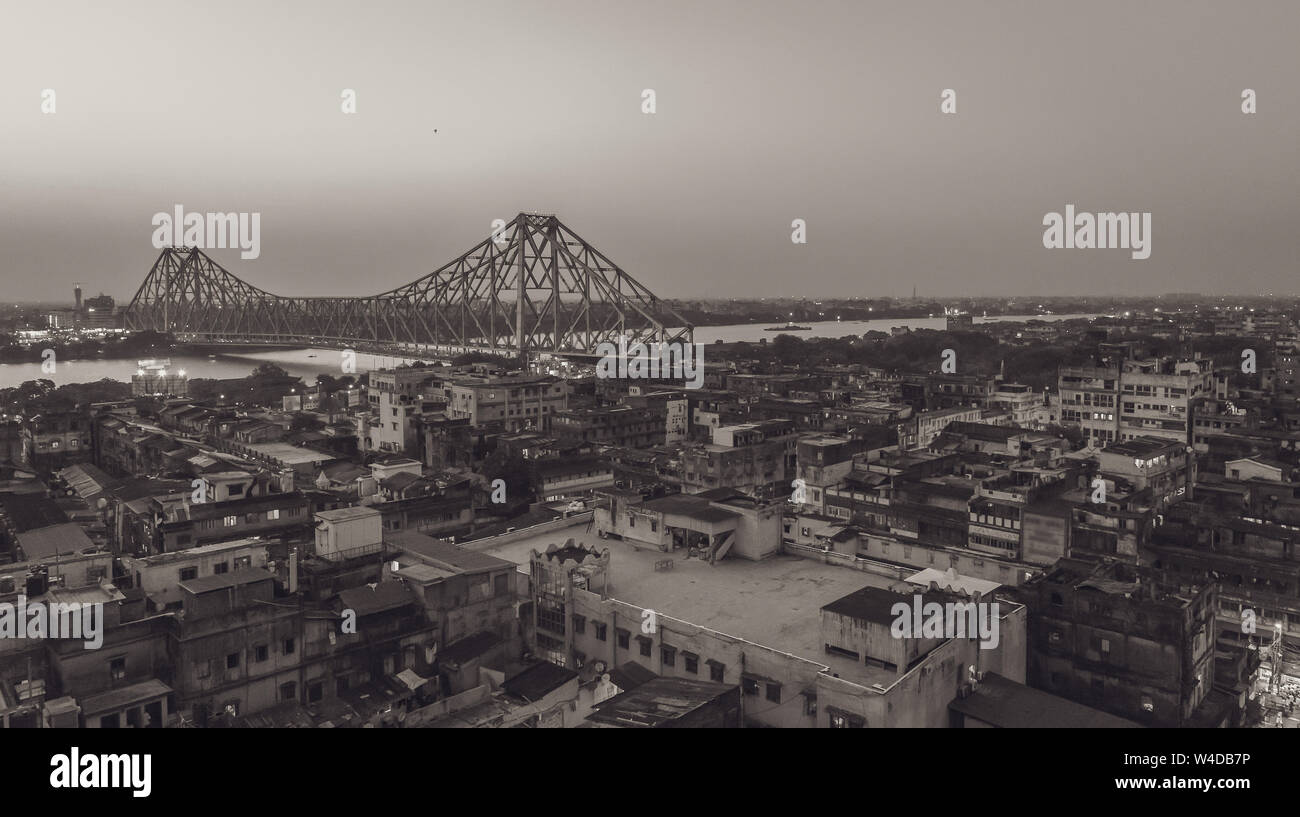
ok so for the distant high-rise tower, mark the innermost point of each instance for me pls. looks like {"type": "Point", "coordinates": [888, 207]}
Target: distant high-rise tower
{"type": "Point", "coordinates": [77, 292]}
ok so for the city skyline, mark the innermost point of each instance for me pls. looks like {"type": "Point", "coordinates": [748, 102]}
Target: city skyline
{"type": "Point", "coordinates": [497, 364]}
{"type": "Point", "coordinates": [763, 116]}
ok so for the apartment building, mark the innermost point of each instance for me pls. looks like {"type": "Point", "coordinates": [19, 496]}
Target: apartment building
{"type": "Point", "coordinates": [397, 397]}
{"type": "Point", "coordinates": [1135, 398]}
{"type": "Point", "coordinates": [1126, 640]}
{"type": "Point", "coordinates": [514, 402]}
{"type": "Point", "coordinates": [750, 457]}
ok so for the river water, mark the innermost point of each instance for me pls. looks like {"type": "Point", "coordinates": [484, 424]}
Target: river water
{"type": "Point", "coordinates": [307, 363]}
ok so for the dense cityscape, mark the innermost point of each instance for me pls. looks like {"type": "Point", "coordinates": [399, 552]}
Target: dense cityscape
{"type": "Point", "coordinates": [728, 365]}
{"type": "Point", "coordinates": [487, 541]}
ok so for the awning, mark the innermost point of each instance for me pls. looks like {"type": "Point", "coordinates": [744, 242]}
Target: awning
{"type": "Point", "coordinates": [411, 679]}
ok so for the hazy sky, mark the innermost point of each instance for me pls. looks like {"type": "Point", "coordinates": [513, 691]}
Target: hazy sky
{"type": "Point", "coordinates": [766, 112]}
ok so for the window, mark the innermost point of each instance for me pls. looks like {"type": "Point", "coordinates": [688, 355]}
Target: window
{"type": "Point", "coordinates": [117, 669]}
{"type": "Point", "coordinates": [809, 704]}
{"type": "Point", "coordinates": [774, 693]}
{"type": "Point", "coordinates": [274, 513]}
{"type": "Point", "coordinates": [188, 573]}
{"type": "Point", "coordinates": [844, 720]}
{"type": "Point", "coordinates": [231, 521]}
{"type": "Point", "coordinates": [261, 653]}
{"type": "Point", "coordinates": [242, 562]}
{"type": "Point", "coordinates": [289, 691]}
{"type": "Point", "coordinates": [288, 646]}
{"type": "Point", "coordinates": [601, 629]}
{"type": "Point", "coordinates": [232, 660]}
{"type": "Point", "coordinates": [646, 644]}
{"type": "Point", "coordinates": [501, 584]}
{"type": "Point", "coordinates": [691, 661]}
{"type": "Point", "coordinates": [749, 686]}
{"type": "Point", "coordinates": [669, 655]}
{"type": "Point", "coordinates": [202, 669]}
{"type": "Point", "coordinates": [315, 692]}
{"type": "Point", "coordinates": [550, 616]}
{"type": "Point", "coordinates": [624, 638]}
{"type": "Point", "coordinates": [716, 671]}
{"type": "Point", "coordinates": [579, 624]}
{"type": "Point", "coordinates": [219, 568]}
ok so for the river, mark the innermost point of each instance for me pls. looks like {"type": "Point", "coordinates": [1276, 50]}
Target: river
{"type": "Point", "coordinates": [307, 363]}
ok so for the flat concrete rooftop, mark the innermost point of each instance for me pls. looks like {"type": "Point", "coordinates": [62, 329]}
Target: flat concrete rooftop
{"type": "Point", "coordinates": [776, 602]}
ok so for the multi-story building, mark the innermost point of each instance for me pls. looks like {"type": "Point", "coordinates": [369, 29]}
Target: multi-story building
{"type": "Point", "coordinates": [1089, 400]}
{"type": "Point", "coordinates": [514, 402]}
{"type": "Point", "coordinates": [1286, 359]}
{"type": "Point", "coordinates": [751, 457]}
{"type": "Point", "coordinates": [937, 392]}
{"type": "Point", "coordinates": [1156, 397]}
{"type": "Point", "coordinates": [922, 428]}
{"type": "Point", "coordinates": [623, 426]}
{"type": "Point", "coordinates": [824, 462]}
{"type": "Point", "coordinates": [164, 524]}
{"type": "Point", "coordinates": [464, 593]}
{"type": "Point", "coordinates": [157, 377]}
{"type": "Point", "coordinates": [397, 397]}
{"type": "Point", "coordinates": [1018, 400]}
{"type": "Point", "coordinates": [1135, 398]}
{"type": "Point", "coordinates": [55, 440]}
{"type": "Point", "coordinates": [1126, 640]}
{"type": "Point", "coordinates": [712, 525]}
{"type": "Point", "coordinates": [561, 477]}
{"type": "Point", "coordinates": [1214, 417]}
{"type": "Point", "coordinates": [1160, 465]}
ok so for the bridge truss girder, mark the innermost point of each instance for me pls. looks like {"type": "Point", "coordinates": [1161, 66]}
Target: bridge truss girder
{"type": "Point", "coordinates": [534, 287]}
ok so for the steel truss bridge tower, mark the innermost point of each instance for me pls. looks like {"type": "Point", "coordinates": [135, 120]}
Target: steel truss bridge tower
{"type": "Point", "coordinates": [534, 287]}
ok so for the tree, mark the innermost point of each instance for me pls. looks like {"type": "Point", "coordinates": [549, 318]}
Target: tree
{"type": "Point", "coordinates": [269, 370]}
{"type": "Point", "coordinates": [306, 422]}
{"type": "Point", "coordinates": [1073, 434]}
{"type": "Point", "coordinates": [789, 349]}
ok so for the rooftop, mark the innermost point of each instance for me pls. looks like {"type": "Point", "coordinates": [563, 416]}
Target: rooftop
{"type": "Point", "coordinates": [347, 514]}
{"type": "Point", "coordinates": [221, 581]}
{"type": "Point", "coordinates": [369, 599]}
{"type": "Point", "coordinates": [1005, 703]}
{"type": "Point", "coordinates": [876, 604]}
{"type": "Point", "coordinates": [1141, 446]}
{"type": "Point", "coordinates": [657, 702]}
{"type": "Point", "coordinates": [774, 602]}
{"type": "Point", "coordinates": [48, 541]}
{"type": "Point", "coordinates": [288, 454]}
{"type": "Point", "coordinates": [538, 680]}
{"type": "Point", "coordinates": [124, 696]}
{"type": "Point", "coordinates": [444, 554]}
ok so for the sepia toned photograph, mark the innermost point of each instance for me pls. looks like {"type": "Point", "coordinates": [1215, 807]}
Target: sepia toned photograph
{"type": "Point", "coordinates": [684, 365]}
